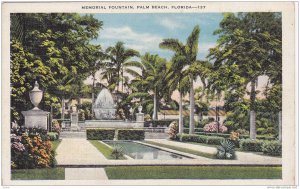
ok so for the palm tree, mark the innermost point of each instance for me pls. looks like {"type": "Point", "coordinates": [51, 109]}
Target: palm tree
{"type": "Point", "coordinates": [118, 56]}
{"type": "Point", "coordinates": [178, 81]}
{"type": "Point", "coordinates": [189, 52]}
{"type": "Point", "coordinates": [150, 79]}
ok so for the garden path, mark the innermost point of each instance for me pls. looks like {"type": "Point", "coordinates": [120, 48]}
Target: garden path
{"type": "Point", "coordinates": [78, 151]}
{"type": "Point", "coordinates": [242, 157]}
{"type": "Point", "coordinates": [85, 174]}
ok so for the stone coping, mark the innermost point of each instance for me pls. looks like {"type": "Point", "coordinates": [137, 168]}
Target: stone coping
{"type": "Point", "coordinates": [172, 151]}
{"type": "Point", "coordinates": [110, 163]}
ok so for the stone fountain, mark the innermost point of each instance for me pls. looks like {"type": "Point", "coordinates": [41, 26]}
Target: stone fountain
{"type": "Point", "coordinates": [104, 107]}
{"type": "Point", "coordinates": [105, 113]}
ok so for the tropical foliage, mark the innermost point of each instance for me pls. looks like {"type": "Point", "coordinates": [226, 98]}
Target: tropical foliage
{"type": "Point", "coordinates": [56, 50]}
{"type": "Point", "coordinates": [249, 46]}
{"type": "Point", "coordinates": [226, 150]}
{"type": "Point", "coordinates": [53, 49]}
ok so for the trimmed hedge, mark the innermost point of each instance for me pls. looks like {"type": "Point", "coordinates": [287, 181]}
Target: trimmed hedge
{"type": "Point", "coordinates": [225, 135]}
{"type": "Point", "coordinates": [131, 134]}
{"type": "Point", "coordinates": [192, 138]}
{"type": "Point", "coordinates": [273, 148]}
{"type": "Point", "coordinates": [265, 137]}
{"type": "Point", "coordinates": [53, 136]}
{"type": "Point", "coordinates": [251, 145]}
{"type": "Point", "coordinates": [100, 134]}
{"type": "Point", "coordinates": [200, 138]}
{"type": "Point", "coordinates": [159, 123]}
{"type": "Point", "coordinates": [214, 140]}
{"type": "Point", "coordinates": [197, 130]}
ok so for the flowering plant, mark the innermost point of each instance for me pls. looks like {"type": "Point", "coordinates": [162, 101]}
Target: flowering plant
{"type": "Point", "coordinates": [234, 136]}
{"type": "Point", "coordinates": [213, 127]}
{"type": "Point", "coordinates": [56, 126]}
{"type": "Point", "coordinates": [30, 150]}
{"type": "Point", "coordinates": [173, 130]}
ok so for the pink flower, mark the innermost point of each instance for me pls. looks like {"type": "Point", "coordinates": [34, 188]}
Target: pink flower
{"type": "Point", "coordinates": [18, 146]}
{"type": "Point", "coordinates": [213, 127]}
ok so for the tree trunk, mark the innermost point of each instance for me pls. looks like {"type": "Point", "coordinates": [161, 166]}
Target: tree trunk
{"type": "Point", "coordinates": [180, 124]}
{"type": "Point", "coordinates": [63, 108]}
{"type": "Point", "coordinates": [93, 103]}
{"type": "Point", "coordinates": [280, 126]}
{"type": "Point", "coordinates": [192, 108]}
{"type": "Point", "coordinates": [252, 112]}
{"type": "Point", "coordinates": [93, 94]}
{"type": "Point", "coordinates": [122, 82]}
{"type": "Point", "coordinates": [154, 116]}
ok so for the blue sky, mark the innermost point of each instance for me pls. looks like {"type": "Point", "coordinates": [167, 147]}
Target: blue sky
{"type": "Point", "coordinates": [144, 32]}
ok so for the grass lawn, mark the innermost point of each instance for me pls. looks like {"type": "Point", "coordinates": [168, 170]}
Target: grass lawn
{"type": "Point", "coordinates": [105, 150]}
{"type": "Point", "coordinates": [193, 172]}
{"type": "Point", "coordinates": [55, 144]}
{"type": "Point", "coordinates": [197, 153]}
{"type": "Point", "coordinates": [38, 174]}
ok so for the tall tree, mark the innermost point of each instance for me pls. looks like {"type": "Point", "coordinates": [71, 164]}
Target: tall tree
{"type": "Point", "coordinates": [189, 51]}
{"type": "Point", "coordinates": [177, 80]}
{"type": "Point", "coordinates": [151, 79]}
{"type": "Point", "coordinates": [249, 46]}
{"type": "Point", "coordinates": [118, 55]}
{"type": "Point", "coordinates": [58, 44]}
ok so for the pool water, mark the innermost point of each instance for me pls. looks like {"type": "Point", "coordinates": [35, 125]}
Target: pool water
{"type": "Point", "coordinates": [140, 151]}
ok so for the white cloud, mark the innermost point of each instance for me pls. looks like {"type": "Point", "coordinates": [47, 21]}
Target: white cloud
{"type": "Point", "coordinates": [139, 41]}
{"type": "Point", "coordinates": [204, 47]}
{"type": "Point", "coordinates": [169, 24]}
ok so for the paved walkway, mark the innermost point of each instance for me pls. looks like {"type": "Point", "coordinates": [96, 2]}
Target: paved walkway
{"type": "Point", "coordinates": [242, 157]}
{"type": "Point", "coordinates": [85, 174]}
{"type": "Point", "coordinates": [78, 151]}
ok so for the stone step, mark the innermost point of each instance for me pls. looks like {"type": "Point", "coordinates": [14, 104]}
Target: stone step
{"type": "Point", "coordinates": [75, 134]}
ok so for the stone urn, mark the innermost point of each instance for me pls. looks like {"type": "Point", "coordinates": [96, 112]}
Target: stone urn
{"type": "Point", "coordinates": [36, 96]}
{"type": "Point", "coordinates": [74, 109]}
{"type": "Point", "coordinates": [140, 108]}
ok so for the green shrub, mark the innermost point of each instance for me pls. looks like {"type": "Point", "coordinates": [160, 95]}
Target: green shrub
{"type": "Point", "coordinates": [192, 138]}
{"type": "Point", "coordinates": [251, 145]}
{"type": "Point", "coordinates": [226, 150]}
{"type": "Point", "coordinates": [52, 136]}
{"type": "Point", "coordinates": [260, 131]}
{"type": "Point", "coordinates": [203, 122]}
{"type": "Point", "coordinates": [214, 140]}
{"type": "Point", "coordinates": [100, 134]}
{"type": "Point", "coordinates": [117, 152]}
{"type": "Point", "coordinates": [131, 134]}
{"type": "Point", "coordinates": [197, 130]}
{"type": "Point", "coordinates": [242, 131]}
{"type": "Point", "coordinates": [265, 137]}
{"type": "Point", "coordinates": [200, 138]}
{"type": "Point", "coordinates": [273, 148]}
{"type": "Point", "coordinates": [159, 123]}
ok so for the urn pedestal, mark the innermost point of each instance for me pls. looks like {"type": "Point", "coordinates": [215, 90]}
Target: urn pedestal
{"type": "Point", "coordinates": [74, 119]}
{"type": "Point", "coordinates": [74, 122]}
{"type": "Point", "coordinates": [140, 117]}
{"type": "Point", "coordinates": [36, 119]}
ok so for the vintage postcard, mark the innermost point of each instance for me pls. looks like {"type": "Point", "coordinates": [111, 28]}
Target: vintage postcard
{"type": "Point", "coordinates": [149, 93]}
